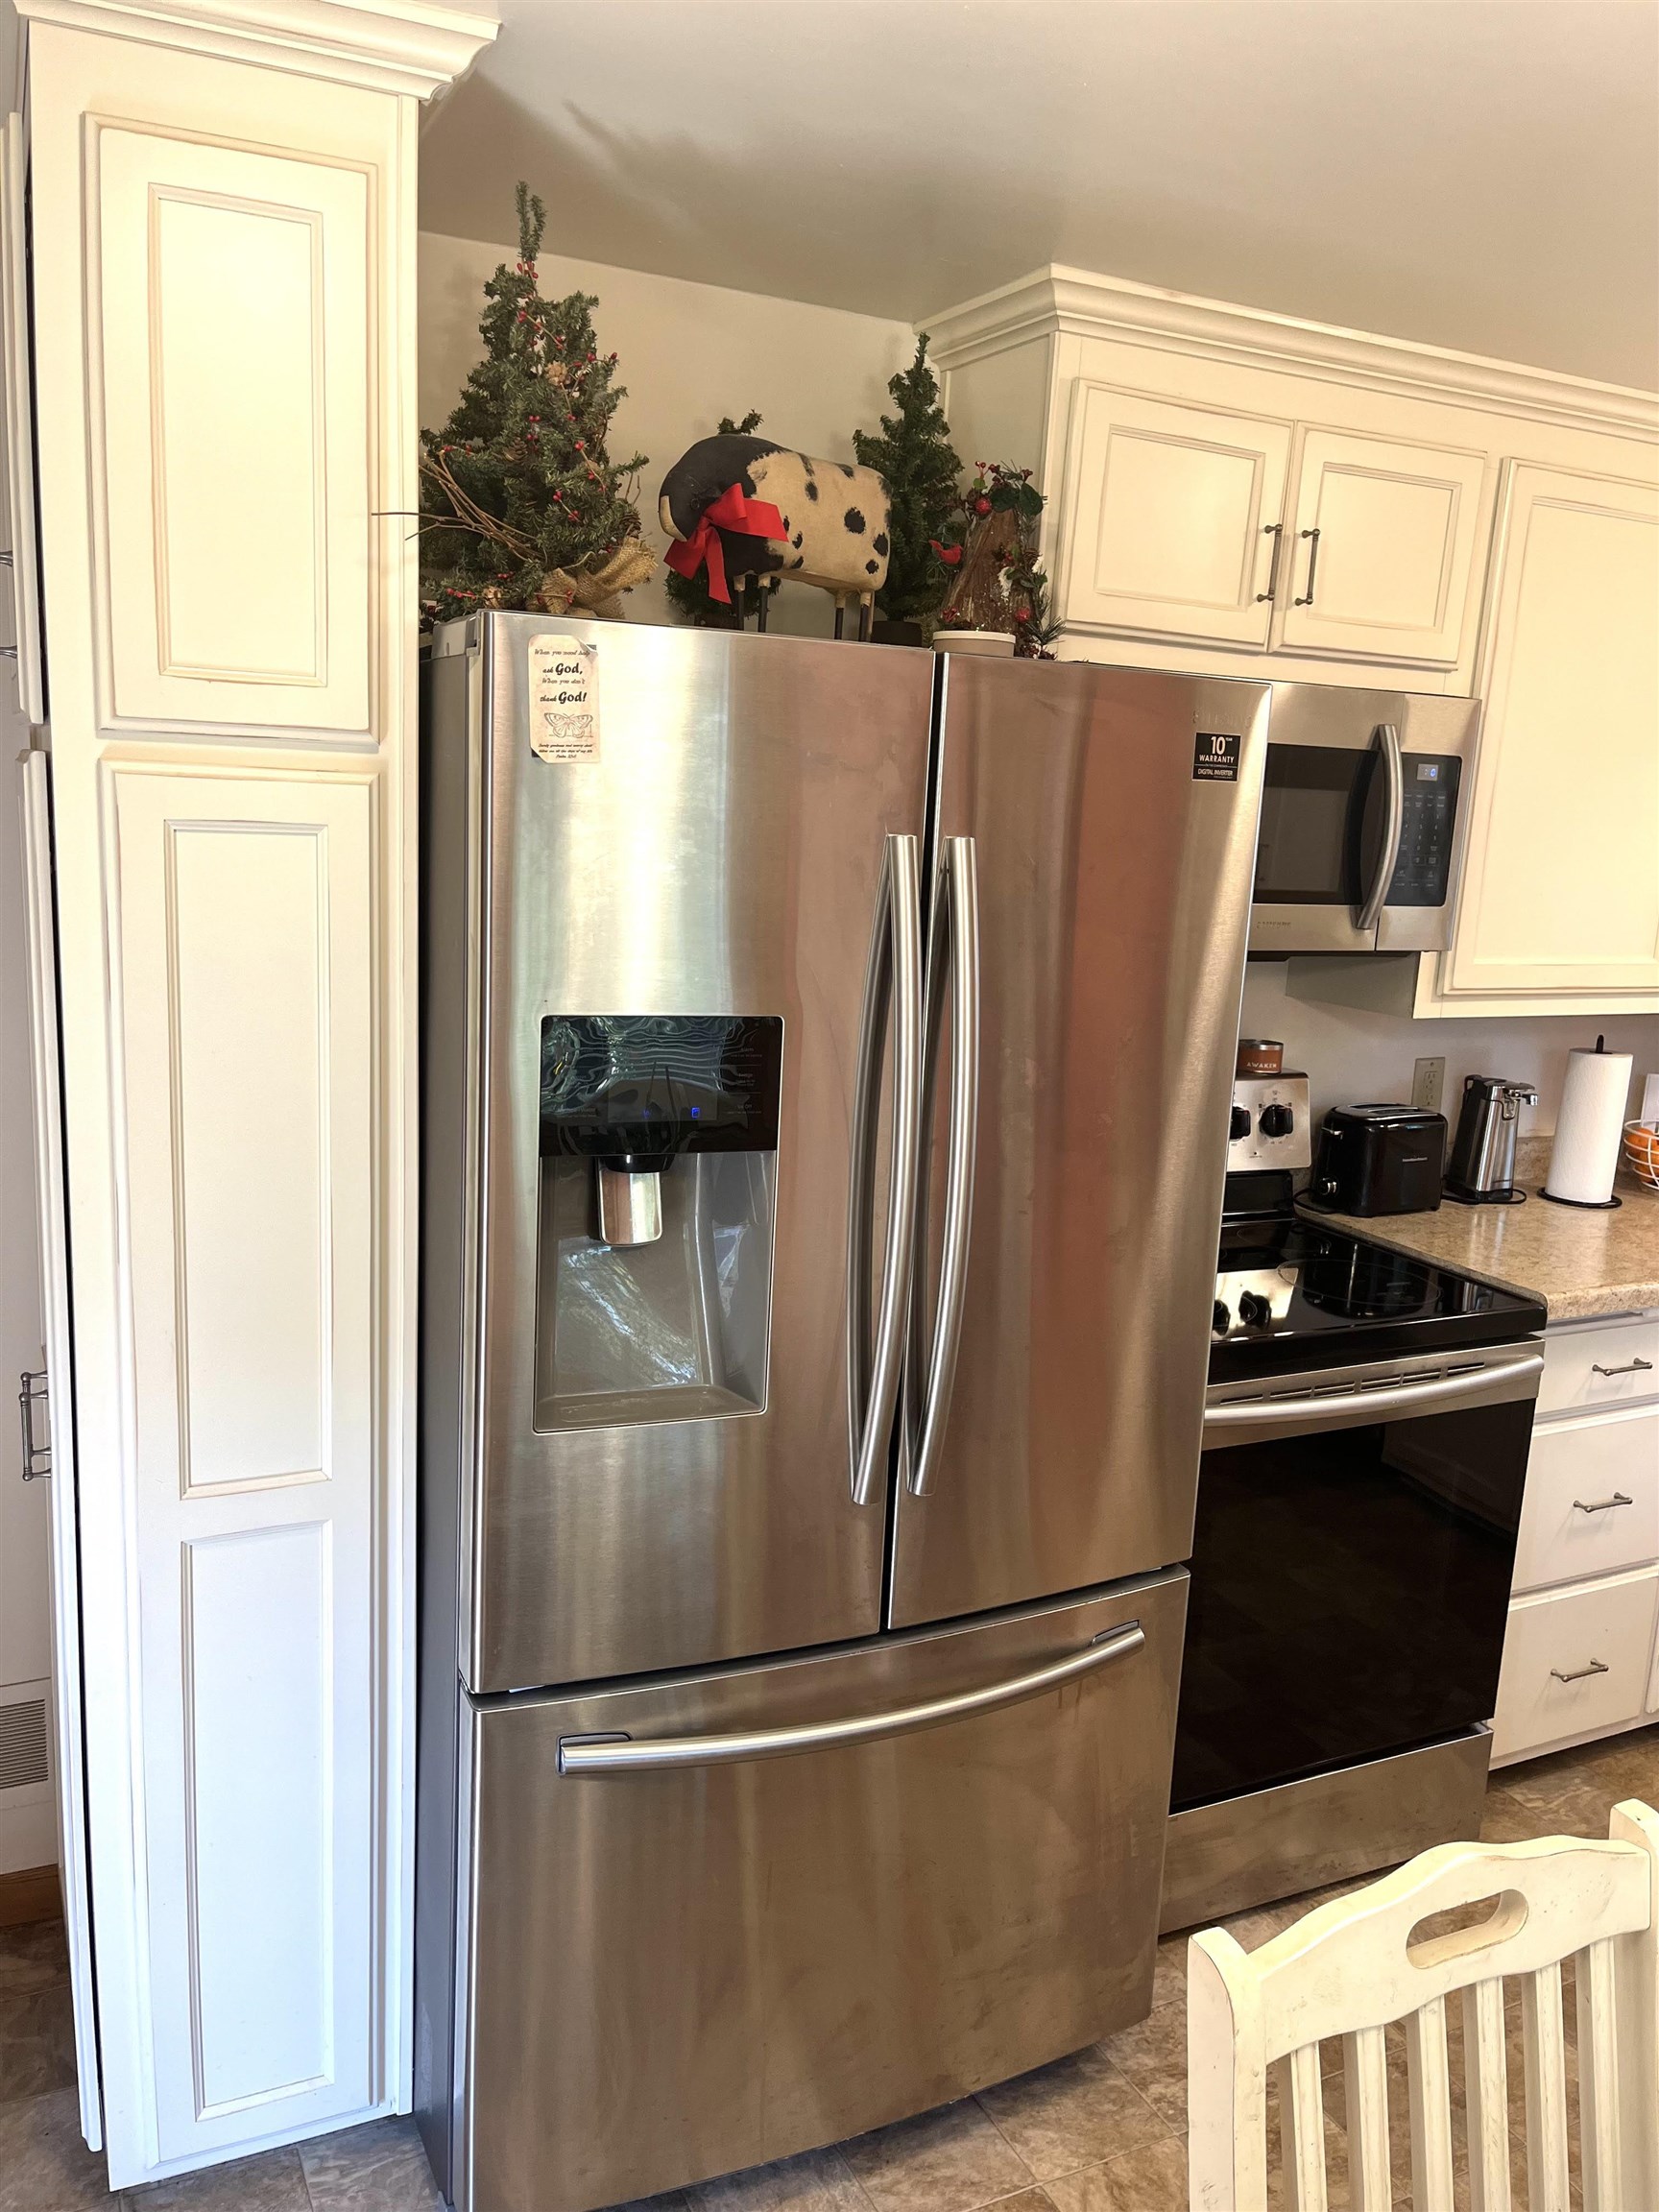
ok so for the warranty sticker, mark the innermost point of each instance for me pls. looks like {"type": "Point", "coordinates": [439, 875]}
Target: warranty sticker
{"type": "Point", "coordinates": [1215, 756]}
{"type": "Point", "coordinates": [564, 700]}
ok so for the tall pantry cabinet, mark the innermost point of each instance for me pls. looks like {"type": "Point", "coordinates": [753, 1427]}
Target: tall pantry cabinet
{"type": "Point", "coordinates": [1250, 494]}
{"type": "Point", "coordinates": [217, 270]}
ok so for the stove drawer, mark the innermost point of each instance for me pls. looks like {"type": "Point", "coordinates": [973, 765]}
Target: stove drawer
{"type": "Point", "coordinates": [1608, 1363]}
{"type": "Point", "coordinates": [1592, 1503]}
{"type": "Point", "coordinates": [1574, 1664]}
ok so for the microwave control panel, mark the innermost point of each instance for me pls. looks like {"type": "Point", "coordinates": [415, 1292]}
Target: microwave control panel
{"type": "Point", "coordinates": [1423, 873]}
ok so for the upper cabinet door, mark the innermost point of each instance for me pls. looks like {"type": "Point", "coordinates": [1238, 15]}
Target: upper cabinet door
{"type": "Point", "coordinates": [14, 382]}
{"type": "Point", "coordinates": [234, 464]}
{"type": "Point", "coordinates": [1378, 553]}
{"type": "Point", "coordinates": [1560, 888]}
{"type": "Point", "coordinates": [1173, 517]}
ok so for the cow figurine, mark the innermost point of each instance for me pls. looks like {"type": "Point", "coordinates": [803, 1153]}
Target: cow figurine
{"type": "Point", "coordinates": [750, 508]}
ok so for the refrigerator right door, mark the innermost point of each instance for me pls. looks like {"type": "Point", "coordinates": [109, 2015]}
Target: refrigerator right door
{"type": "Point", "coordinates": [1095, 831]}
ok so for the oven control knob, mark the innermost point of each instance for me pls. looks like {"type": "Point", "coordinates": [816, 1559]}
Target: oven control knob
{"type": "Point", "coordinates": [1239, 1126]}
{"type": "Point", "coordinates": [1277, 1122]}
{"type": "Point", "coordinates": [1254, 1311]}
{"type": "Point", "coordinates": [1220, 1320]}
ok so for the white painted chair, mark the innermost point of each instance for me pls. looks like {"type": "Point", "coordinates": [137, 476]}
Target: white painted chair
{"type": "Point", "coordinates": [1352, 1966]}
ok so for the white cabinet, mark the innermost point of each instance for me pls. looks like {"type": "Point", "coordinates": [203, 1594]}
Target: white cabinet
{"type": "Point", "coordinates": [233, 364]}
{"type": "Point", "coordinates": [1171, 517]}
{"type": "Point", "coordinates": [1174, 521]}
{"type": "Point", "coordinates": [1560, 893]}
{"type": "Point", "coordinates": [1385, 538]}
{"type": "Point", "coordinates": [1576, 1663]}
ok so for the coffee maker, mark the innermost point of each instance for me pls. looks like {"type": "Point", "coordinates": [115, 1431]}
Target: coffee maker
{"type": "Point", "coordinates": [1483, 1167]}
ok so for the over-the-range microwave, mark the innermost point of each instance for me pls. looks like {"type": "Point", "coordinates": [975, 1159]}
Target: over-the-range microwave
{"type": "Point", "coordinates": [1363, 820]}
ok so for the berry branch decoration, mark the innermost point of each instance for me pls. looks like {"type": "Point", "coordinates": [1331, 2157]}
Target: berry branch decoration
{"type": "Point", "coordinates": [992, 578]}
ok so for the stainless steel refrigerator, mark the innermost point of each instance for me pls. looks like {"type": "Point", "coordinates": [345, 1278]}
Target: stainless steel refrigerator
{"type": "Point", "coordinates": [825, 1054]}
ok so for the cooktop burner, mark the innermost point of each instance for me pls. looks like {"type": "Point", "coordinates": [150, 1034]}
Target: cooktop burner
{"type": "Point", "coordinates": [1295, 1293]}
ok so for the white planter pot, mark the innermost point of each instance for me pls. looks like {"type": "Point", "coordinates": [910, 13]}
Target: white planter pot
{"type": "Point", "coordinates": [999, 642]}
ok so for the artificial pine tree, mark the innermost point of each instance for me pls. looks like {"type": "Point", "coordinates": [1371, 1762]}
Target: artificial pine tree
{"type": "Point", "coordinates": [520, 502]}
{"type": "Point", "coordinates": [690, 595]}
{"type": "Point", "coordinates": [915, 458]}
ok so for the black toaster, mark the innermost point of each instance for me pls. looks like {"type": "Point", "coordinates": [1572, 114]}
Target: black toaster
{"type": "Point", "coordinates": [1378, 1160]}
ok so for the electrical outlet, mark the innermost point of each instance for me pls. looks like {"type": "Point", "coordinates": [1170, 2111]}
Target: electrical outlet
{"type": "Point", "coordinates": [1427, 1084]}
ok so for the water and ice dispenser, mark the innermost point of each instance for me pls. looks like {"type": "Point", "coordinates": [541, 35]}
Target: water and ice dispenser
{"type": "Point", "coordinates": [658, 1154]}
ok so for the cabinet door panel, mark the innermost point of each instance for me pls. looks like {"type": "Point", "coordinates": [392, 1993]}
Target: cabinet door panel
{"type": "Point", "coordinates": [14, 380]}
{"type": "Point", "coordinates": [1173, 512]}
{"type": "Point", "coordinates": [1560, 890]}
{"type": "Point", "coordinates": [245, 978]}
{"type": "Point", "coordinates": [1397, 528]}
{"type": "Point", "coordinates": [236, 463]}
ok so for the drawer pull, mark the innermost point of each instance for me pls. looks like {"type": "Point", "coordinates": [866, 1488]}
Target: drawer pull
{"type": "Point", "coordinates": [1596, 1667]}
{"type": "Point", "coordinates": [1631, 1368]}
{"type": "Point", "coordinates": [1602, 1505]}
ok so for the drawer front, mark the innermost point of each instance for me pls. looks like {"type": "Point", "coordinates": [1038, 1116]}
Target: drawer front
{"type": "Point", "coordinates": [1598, 1635]}
{"type": "Point", "coordinates": [1612, 1363]}
{"type": "Point", "coordinates": [1592, 1503]}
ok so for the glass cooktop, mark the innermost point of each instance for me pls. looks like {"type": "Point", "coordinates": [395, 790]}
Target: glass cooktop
{"type": "Point", "coordinates": [1291, 1293]}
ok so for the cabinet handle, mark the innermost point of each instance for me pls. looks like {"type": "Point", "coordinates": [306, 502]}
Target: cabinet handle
{"type": "Point", "coordinates": [1596, 1667]}
{"type": "Point", "coordinates": [1602, 1505]}
{"type": "Point", "coordinates": [1275, 531]}
{"type": "Point", "coordinates": [1631, 1368]}
{"type": "Point", "coordinates": [1312, 537]}
{"type": "Point", "coordinates": [32, 1392]}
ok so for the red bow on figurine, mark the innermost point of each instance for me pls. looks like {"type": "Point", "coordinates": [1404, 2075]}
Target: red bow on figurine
{"type": "Point", "coordinates": [732, 511]}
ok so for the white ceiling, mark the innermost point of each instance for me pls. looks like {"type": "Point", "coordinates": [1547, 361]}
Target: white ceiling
{"type": "Point", "coordinates": [1478, 174]}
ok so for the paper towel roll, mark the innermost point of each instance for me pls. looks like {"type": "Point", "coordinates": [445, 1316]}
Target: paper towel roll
{"type": "Point", "coordinates": [1588, 1127]}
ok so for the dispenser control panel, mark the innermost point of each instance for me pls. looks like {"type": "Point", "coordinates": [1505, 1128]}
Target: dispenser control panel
{"type": "Point", "coordinates": [639, 1090]}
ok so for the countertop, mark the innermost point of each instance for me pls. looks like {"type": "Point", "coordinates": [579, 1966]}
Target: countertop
{"type": "Point", "coordinates": [1580, 1263]}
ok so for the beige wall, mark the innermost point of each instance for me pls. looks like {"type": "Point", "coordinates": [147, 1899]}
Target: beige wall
{"type": "Point", "coordinates": [688, 355]}
{"type": "Point", "coordinates": [1351, 1056]}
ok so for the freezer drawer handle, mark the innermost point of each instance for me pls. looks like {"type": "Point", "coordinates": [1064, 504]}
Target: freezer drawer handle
{"type": "Point", "coordinates": [624, 1755]}
{"type": "Point", "coordinates": [1373, 1404]}
{"type": "Point", "coordinates": [894, 972]}
{"type": "Point", "coordinates": [956, 911]}
{"type": "Point", "coordinates": [1596, 1667]}
{"type": "Point", "coordinates": [1602, 1505]}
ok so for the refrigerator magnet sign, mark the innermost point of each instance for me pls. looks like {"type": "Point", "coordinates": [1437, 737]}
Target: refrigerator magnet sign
{"type": "Point", "coordinates": [564, 700]}
{"type": "Point", "coordinates": [1215, 756]}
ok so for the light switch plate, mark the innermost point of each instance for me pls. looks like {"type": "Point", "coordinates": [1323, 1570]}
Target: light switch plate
{"type": "Point", "coordinates": [1427, 1084]}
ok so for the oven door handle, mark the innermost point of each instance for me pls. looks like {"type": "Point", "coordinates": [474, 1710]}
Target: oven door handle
{"type": "Point", "coordinates": [1494, 1383]}
{"type": "Point", "coordinates": [623, 1754]}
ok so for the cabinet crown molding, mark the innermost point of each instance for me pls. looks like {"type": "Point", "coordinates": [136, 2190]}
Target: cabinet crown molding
{"type": "Point", "coordinates": [1078, 303]}
{"type": "Point", "coordinates": [412, 46]}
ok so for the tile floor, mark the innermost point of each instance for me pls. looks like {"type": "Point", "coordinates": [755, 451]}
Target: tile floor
{"type": "Point", "coordinates": [1103, 2130]}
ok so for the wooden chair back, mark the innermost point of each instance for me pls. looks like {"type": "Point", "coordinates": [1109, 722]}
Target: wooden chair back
{"type": "Point", "coordinates": [1353, 1967]}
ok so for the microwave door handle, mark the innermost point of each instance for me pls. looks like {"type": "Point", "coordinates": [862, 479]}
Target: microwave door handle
{"type": "Point", "coordinates": [958, 901]}
{"type": "Point", "coordinates": [894, 974]}
{"type": "Point", "coordinates": [1394, 769]}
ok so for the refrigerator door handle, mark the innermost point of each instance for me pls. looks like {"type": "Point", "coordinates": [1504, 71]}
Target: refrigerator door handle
{"type": "Point", "coordinates": [894, 972]}
{"type": "Point", "coordinates": [955, 908]}
{"type": "Point", "coordinates": [616, 1754]}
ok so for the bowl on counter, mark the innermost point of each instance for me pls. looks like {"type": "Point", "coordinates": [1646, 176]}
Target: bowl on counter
{"type": "Point", "coordinates": [1642, 1151]}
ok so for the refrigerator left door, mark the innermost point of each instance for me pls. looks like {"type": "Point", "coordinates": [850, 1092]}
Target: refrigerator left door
{"type": "Point", "coordinates": [721, 1954]}
{"type": "Point", "coordinates": [39, 923]}
{"type": "Point", "coordinates": [682, 847]}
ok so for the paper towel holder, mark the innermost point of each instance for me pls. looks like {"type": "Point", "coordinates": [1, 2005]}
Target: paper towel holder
{"type": "Point", "coordinates": [1586, 1205]}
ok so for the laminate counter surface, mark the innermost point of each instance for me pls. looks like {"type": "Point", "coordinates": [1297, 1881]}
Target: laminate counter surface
{"type": "Point", "coordinates": [1581, 1262]}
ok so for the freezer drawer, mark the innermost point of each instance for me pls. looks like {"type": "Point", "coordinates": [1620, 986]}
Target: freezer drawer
{"type": "Point", "coordinates": [677, 1971]}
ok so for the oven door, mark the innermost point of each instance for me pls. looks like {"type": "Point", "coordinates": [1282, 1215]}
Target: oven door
{"type": "Point", "coordinates": [1361, 823]}
{"type": "Point", "coordinates": [1351, 1565]}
